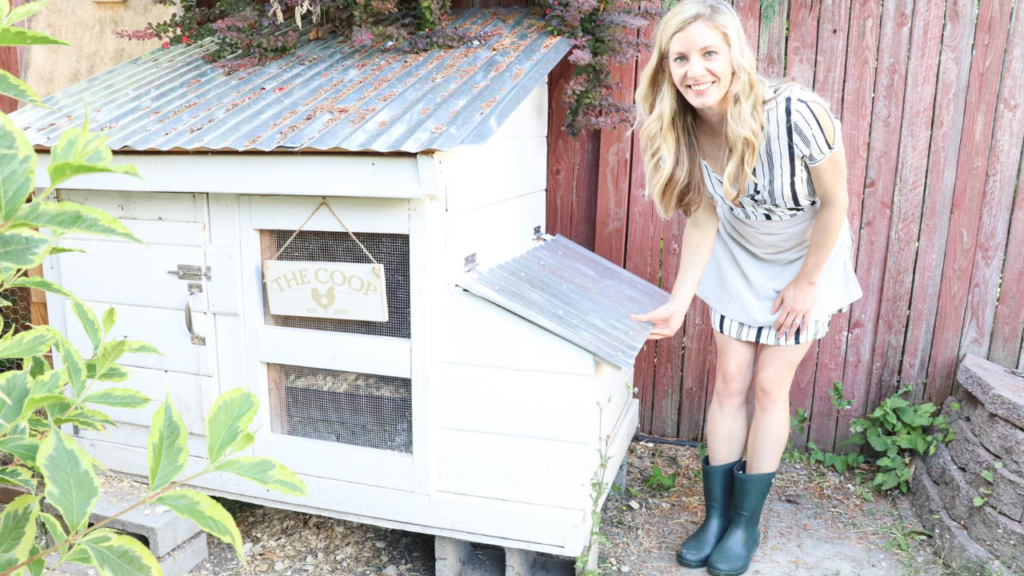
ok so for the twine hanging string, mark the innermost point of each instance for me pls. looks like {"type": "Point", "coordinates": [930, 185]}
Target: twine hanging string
{"type": "Point", "coordinates": [377, 269]}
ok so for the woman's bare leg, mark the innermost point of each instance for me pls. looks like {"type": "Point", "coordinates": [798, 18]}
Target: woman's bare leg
{"type": "Point", "coordinates": [769, 430]}
{"type": "Point", "coordinates": [726, 429]}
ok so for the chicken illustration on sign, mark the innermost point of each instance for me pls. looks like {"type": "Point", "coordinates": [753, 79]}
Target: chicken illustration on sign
{"type": "Point", "coordinates": [326, 289]}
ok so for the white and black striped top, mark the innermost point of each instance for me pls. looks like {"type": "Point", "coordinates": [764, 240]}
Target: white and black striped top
{"type": "Point", "coordinates": [793, 139]}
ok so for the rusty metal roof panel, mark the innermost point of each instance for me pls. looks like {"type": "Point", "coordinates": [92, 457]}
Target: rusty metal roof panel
{"type": "Point", "coordinates": [576, 294]}
{"type": "Point", "coordinates": [325, 95]}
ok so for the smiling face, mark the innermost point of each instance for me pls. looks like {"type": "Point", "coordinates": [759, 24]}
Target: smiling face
{"type": "Point", "coordinates": [700, 63]}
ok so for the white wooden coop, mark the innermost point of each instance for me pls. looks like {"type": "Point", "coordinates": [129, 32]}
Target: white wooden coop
{"type": "Point", "coordinates": [457, 416]}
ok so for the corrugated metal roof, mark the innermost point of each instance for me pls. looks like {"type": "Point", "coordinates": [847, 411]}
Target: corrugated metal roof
{"type": "Point", "coordinates": [327, 94]}
{"type": "Point", "coordinates": [575, 294]}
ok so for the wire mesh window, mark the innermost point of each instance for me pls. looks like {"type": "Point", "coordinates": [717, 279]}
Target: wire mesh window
{"type": "Point", "coordinates": [390, 250]}
{"type": "Point", "coordinates": [346, 407]}
{"type": "Point", "coordinates": [17, 317]}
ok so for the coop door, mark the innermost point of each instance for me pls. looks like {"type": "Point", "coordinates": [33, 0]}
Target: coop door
{"type": "Point", "coordinates": [153, 303]}
{"type": "Point", "coordinates": [338, 392]}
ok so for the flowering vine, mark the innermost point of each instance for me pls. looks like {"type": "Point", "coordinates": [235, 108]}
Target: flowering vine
{"type": "Point", "coordinates": [604, 33]}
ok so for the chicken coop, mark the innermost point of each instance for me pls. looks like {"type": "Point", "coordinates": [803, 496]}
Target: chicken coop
{"type": "Point", "coordinates": [462, 382]}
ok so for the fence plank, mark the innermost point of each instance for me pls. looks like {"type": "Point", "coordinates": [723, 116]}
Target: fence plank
{"type": "Point", "coordinates": [908, 201]}
{"type": "Point", "coordinates": [997, 199]}
{"type": "Point", "coordinates": [802, 48]}
{"type": "Point", "coordinates": [880, 189]}
{"type": "Point", "coordinates": [800, 54]}
{"type": "Point", "coordinates": [833, 24]}
{"type": "Point", "coordinates": [771, 45]}
{"type": "Point", "coordinates": [1008, 327]}
{"type": "Point", "coordinates": [669, 350]}
{"type": "Point", "coordinates": [613, 181]}
{"type": "Point", "coordinates": [586, 156]}
{"type": "Point", "coordinates": [639, 253]}
{"type": "Point", "coordinates": [878, 198]}
{"type": "Point", "coordinates": [750, 15]}
{"type": "Point", "coordinates": [982, 89]}
{"type": "Point", "coordinates": [856, 115]}
{"type": "Point", "coordinates": [947, 128]}
{"type": "Point", "coordinates": [561, 157]}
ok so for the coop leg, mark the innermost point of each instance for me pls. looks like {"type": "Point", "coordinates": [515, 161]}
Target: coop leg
{"type": "Point", "coordinates": [450, 555]}
{"type": "Point", "coordinates": [519, 562]}
{"type": "Point", "coordinates": [619, 484]}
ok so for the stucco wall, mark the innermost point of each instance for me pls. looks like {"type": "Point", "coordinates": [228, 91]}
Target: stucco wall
{"type": "Point", "coordinates": [88, 26]}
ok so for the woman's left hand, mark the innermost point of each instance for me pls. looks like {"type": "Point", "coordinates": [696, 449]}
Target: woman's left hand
{"type": "Point", "coordinates": [794, 304]}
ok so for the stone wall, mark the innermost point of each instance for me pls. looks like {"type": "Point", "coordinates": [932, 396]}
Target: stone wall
{"type": "Point", "coordinates": [988, 429]}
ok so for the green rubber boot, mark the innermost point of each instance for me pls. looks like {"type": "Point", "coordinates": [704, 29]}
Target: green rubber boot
{"type": "Point", "coordinates": [718, 490]}
{"type": "Point", "coordinates": [731, 556]}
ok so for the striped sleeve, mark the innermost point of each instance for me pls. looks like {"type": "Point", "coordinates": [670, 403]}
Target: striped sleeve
{"type": "Point", "coordinates": [816, 131]}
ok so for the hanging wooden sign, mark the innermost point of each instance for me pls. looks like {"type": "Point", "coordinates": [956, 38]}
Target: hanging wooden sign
{"type": "Point", "coordinates": [326, 290]}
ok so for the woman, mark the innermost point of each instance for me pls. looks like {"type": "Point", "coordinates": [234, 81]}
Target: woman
{"type": "Point", "coordinates": [759, 171]}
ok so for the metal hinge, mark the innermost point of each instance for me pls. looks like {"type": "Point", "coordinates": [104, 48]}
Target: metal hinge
{"type": "Point", "coordinates": [470, 262]}
{"type": "Point", "coordinates": [191, 272]}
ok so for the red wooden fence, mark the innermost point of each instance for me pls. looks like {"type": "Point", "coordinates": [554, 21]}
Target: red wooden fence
{"type": "Point", "coordinates": [930, 97]}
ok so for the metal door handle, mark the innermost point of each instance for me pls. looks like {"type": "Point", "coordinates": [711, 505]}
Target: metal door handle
{"type": "Point", "coordinates": [196, 339]}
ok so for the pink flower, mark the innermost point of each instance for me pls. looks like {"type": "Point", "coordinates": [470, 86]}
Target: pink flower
{"type": "Point", "coordinates": [166, 45]}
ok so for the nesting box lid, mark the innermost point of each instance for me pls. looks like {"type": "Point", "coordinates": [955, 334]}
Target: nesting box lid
{"type": "Point", "coordinates": [576, 294]}
{"type": "Point", "coordinates": [327, 94]}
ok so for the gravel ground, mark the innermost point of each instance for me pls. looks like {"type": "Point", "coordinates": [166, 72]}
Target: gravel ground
{"type": "Point", "coordinates": [814, 524]}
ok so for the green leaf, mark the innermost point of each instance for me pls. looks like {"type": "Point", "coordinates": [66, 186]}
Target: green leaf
{"type": "Point", "coordinates": [55, 529]}
{"type": "Point", "coordinates": [23, 448]}
{"type": "Point", "coordinates": [34, 342]}
{"type": "Point", "coordinates": [207, 513]}
{"type": "Point", "coordinates": [71, 217]}
{"type": "Point", "coordinates": [266, 472]}
{"type": "Point", "coordinates": [38, 366]}
{"type": "Point", "coordinates": [86, 418]}
{"type": "Point", "coordinates": [109, 353]}
{"type": "Point", "coordinates": [114, 374]}
{"type": "Point", "coordinates": [227, 425]}
{"type": "Point", "coordinates": [22, 248]}
{"type": "Point", "coordinates": [35, 567]}
{"type": "Point", "coordinates": [50, 382]}
{"type": "Point", "coordinates": [53, 403]}
{"type": "Point", "coordinates": [74, 366]}
{"type": "Point", "coordinates": [109, 319]}
{"type": "Point", "coordinates": [23, 11]}
{"type": "Point", "coordinates": [168, 446]}
{"type": "Point", "coordinates": [136, 347]}
{"type": "Point", "coordinates": [118, 398]}
{"type": "Point", "coordinates": [71, 484]}
{"type": "Point", "coordinates": [116, 554]}
{"type": "Point", "coordinates": [89, 322]}
{"type": "Point", "coordinates": [42, 284]}
{"type": "Point", "coordinates": [5, 9]}
{"type": "Point", "coordinates": [908, 415]}
{"type": "Point", "coordinates": [18, 526]}
{"type": "Point", "coordinates": [22, 37]}
{"type": "Point", "coordinates": [14, 393]}
{"type": "Point", "coordinates": [17, 476]}
{"type": "Point", "coordinates": [80, 152]}
{"type": "Point", "coordinates": [880, 443]}
{"type": "Point", "coordinates": [954, 406]}
{"type": "Point", "coordinates": [987, 475]}
{"type": "Point", "coordinates": [17, 169]}
{"type": "Point", "coordinates": [979, 501]}
{"type": "Point", "coordinates": [997, 465]}
{"type": "Point", "coordinates": [14, 87]}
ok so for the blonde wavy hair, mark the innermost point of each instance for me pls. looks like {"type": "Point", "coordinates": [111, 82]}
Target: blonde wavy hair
{"type": "Point", "coordinates": [667, 122]}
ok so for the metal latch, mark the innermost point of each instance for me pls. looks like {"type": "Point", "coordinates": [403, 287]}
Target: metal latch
{"type": "Point", "coordinates": [470, 262]}
{"type": "Point", "coordinates": [191, 272]}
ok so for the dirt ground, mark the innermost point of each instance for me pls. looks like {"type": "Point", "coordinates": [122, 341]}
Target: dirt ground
{"type": "Point", "coordinates": [814, 524]}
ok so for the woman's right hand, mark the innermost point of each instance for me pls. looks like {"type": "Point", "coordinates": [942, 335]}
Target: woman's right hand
{"type": "Point", "coordinates": [667, 320]}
